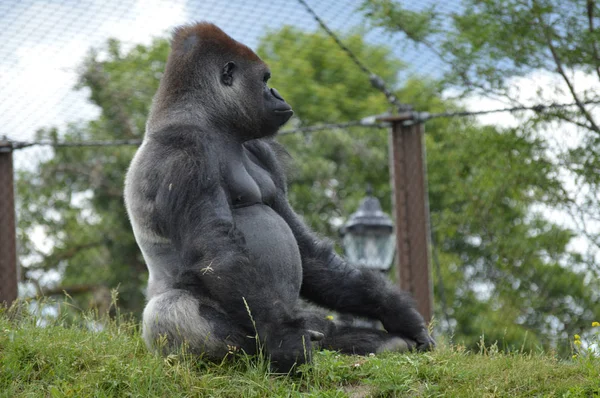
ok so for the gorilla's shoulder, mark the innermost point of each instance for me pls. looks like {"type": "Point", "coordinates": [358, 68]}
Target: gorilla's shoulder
{"type": "Point", "coordinates": [180, 136]}
{"type": "Point", "coordinates": [279, 150]}
{"type": "Point", "coordinates": [267, 149]}
{"type": "Point", "coordinates": [273, 157]}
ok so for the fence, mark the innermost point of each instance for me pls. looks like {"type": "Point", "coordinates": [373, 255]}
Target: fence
{"type": "Point", "coordinates": [304, 15]}
{"type": "Point", "coordinates": [8, 256]}
{"type": "Point", "coordinates": [68, 193]}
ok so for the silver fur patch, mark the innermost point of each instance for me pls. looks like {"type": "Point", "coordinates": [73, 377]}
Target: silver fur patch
{"type": "Point", "coordinates": [395, 344]}
{"type": "Point", "coordinates": [172, 319]}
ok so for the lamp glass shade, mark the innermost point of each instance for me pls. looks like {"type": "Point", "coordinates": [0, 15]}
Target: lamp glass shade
{"type": "Point", "coordinates": [371, 248]}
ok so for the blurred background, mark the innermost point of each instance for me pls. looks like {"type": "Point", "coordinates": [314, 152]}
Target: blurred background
{"type": "Point", "coordinates": [513, 195]}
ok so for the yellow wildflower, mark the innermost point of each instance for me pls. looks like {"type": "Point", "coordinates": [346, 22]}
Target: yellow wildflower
{"type": "Point", "coordinates": [577, 343]}
{"type": "Point", "coordinates": [577, 337]}
{"type": "Point", "coordinates": [329, 317]}
{"type": "Point", "coordinates": [595, 324]}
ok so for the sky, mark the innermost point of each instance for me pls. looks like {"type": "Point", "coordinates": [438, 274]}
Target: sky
{"type": "Point", "coordinates": [42, 44]}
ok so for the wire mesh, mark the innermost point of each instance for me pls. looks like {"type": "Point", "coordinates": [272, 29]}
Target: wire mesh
{"type": "Point", "coordinates": [43, 49]}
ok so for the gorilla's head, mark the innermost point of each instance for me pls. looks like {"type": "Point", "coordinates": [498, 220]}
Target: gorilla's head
{"type": "Point", "coordinates": [223, 81]}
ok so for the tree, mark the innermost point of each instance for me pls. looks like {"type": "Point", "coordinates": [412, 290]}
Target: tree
{"type": "Point", "coordinates": [491, 47]}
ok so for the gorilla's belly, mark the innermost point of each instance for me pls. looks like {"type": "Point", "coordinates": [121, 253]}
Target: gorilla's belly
{"type": "Point", "coordinates": [273, 249]}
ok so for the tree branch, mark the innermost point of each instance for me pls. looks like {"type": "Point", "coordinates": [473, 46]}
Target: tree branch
{"type": "Point", "coordinates": [70, 290]}
{"type": "Point", "coordinates": [590, 11]}
{"type": "Point", "coordinates": [572, 121]}
{"type": "Point", "coordinates": [563, 74]}
{"type": "Point", "coordinates": [54, 259]}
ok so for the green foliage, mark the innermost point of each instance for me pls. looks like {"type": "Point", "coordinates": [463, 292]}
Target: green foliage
{"type": "Point", "coordinates": [491, 41]}
{"type": "Point", "coordinates": [488, 189]}
{"type": "Point", "coordinates": [59, 361]}
{"type": "Point", "coordinates": [488, 43]}
{"type": "Point", "coordinates": [417, 26]}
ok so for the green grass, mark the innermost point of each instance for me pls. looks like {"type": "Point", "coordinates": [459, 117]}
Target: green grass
{"type": "Point", "coordinates": [61, 360]}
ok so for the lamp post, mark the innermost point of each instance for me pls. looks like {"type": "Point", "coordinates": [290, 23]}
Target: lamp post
{"type": "Point", "coordinates": [368, 236]}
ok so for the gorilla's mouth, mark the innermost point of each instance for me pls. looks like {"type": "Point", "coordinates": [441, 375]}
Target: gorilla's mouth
{"type": "Point", "coordinates": [283, 115]}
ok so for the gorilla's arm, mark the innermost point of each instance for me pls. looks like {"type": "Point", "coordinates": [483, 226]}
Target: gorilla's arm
{"type": "Point", "coordinates": [193, 212]}
{"type": "Point", "coordinates": [330, 281]}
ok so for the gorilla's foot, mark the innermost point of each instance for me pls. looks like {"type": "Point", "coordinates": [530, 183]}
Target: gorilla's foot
{"type": "Point", "coordinates": [396, 344]}
{"type": "Point", "coordinates": [364, 341]}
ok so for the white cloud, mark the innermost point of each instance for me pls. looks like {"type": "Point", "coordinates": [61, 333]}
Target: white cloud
{"type": "Point", "coordinates": [38, 76]}
{"type": "Point", "coordinates": [542, 87]}
{"type": "Point", "coordinates": [147, 18]}
{"type": "Point", "coordinates": [37, 80]}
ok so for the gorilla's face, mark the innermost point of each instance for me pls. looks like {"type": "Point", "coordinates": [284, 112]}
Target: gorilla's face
{"type": "Point", "coordinates": [261, 103]}
{"type": "Point", "coordinates": [222, 82]}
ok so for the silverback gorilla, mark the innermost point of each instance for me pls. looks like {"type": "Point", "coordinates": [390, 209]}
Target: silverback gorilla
{"type": "Point", "coordinates": [228, 258]}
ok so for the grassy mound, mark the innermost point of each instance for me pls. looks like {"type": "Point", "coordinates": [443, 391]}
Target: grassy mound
{"type": "Point", "coordinates": [56, 358]}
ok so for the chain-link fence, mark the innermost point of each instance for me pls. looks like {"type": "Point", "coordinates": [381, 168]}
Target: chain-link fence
{"type": "Point", "coordinates": [510, 235]}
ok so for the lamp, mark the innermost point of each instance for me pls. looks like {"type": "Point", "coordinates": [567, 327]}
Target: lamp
{"type": "Point", "coordinates": [368, 236]}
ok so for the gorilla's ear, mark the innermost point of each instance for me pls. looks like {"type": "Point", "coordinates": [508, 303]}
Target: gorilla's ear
{"type": "Point", "coordinates": [227, 73]}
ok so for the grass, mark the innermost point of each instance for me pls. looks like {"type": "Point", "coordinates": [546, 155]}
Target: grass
{"type": "Point", "coordinates": [68, 360]}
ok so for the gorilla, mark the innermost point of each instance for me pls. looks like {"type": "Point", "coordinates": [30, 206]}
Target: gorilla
{"type": "Point", "coordinates": [230, 263]}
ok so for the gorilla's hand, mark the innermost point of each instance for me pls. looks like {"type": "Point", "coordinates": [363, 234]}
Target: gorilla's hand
{"type": "Point", "coordinates": [424, 341]}
{"type": "Point", "coordinates": [289, 347]}
{"type": "Point", "coordinates": [412, 327]}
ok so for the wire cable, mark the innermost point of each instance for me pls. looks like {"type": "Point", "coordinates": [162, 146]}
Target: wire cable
{"type": "Point", "coordinates": [376, 81]}
{"type": "Point", "coordinates": [371, 121]}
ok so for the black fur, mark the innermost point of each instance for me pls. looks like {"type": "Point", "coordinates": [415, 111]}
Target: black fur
{"type": "Point", "coordinates": [228, 257]}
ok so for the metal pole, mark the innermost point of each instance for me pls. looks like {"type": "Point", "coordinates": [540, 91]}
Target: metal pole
{"type": "Point", "coordinates": [407, 171]}
{"type": "Point", "coordinates": [8, 247]}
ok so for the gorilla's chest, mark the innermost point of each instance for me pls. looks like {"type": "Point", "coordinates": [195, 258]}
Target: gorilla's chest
{"type": "Point", "coordinates": [269, 241]}
{"type": "Point", "coordinates": [248, 183]}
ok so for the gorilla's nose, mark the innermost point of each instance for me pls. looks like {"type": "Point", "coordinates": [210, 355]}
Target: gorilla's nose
{"type": "Point", "coordinates": [276, 94]}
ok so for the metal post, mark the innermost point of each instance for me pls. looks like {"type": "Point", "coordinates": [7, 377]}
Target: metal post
{"type": "Point", "coordinates": [8, 247]}
{"type": "Point", "coordinates": [409, 197]}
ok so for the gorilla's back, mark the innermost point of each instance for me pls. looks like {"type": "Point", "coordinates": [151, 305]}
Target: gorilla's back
{"type": "Point", "coordinates": [158, 251]}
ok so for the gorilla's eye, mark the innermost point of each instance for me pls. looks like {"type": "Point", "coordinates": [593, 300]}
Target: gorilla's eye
{"type": "Point", "coordinates": [266, 77]}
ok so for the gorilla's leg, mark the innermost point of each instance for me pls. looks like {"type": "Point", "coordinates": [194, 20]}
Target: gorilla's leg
{"type": "Point", "coordinates": [363, 341]}
{"type": "Point", "coordinates": [353, 340]}
{"type": "Point", "coordinates": [176, 317]}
